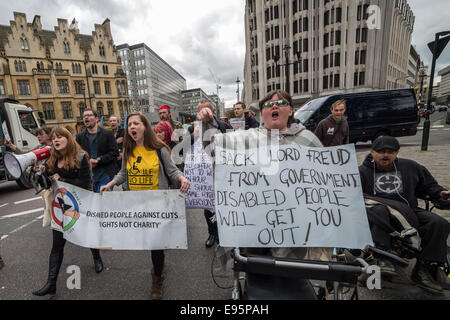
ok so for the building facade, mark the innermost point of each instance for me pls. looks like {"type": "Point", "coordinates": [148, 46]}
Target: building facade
{"type": "Point", "coordinates": [191, 98]}
{"type": "Point", "coordinates": [443, 97]}
{"type": "Point", "coordinates": [61, 72]}
{"type": "Point", "coordinates": [412, 78]}
{"type": "Point", "coordinates": [321, 47]}
{"type": "Point", "coordinates": [152, 82]}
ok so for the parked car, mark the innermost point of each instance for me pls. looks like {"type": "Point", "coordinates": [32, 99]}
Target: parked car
{"type": "Point", "coordinates": [369, 114]}
{"type": "Point", "coordinates": [442, 108]}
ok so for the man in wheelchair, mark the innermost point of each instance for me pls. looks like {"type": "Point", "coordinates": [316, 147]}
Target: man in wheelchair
{"type": "Point", "coordinates": [396, 183]}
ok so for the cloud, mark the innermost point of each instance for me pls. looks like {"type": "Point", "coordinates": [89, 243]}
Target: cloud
{"type": "Point", "coordinates": [430, 19]}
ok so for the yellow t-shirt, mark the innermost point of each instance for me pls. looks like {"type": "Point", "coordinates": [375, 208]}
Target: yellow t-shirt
{"type": "Point", "coordinates": [143, 170]}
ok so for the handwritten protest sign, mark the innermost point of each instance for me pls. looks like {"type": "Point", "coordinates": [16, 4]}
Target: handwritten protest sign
{"type": "Point", "coordinates": [313, 200]}
{"type": "Point", "coordinates": [138, 220]}
{"type": "Point", "coordinates": [198, 170]}
{"type": "Point", "coordinates": [237, 124]}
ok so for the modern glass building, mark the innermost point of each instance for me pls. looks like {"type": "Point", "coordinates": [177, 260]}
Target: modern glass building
{"type": "Point", "coordinates": [152, 82]}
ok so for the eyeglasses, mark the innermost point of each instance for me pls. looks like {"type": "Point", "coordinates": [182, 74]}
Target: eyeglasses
{"type": "Point", "coordinates": [280, 103]}
{"type": "Point", "coordinates": [88, 115]}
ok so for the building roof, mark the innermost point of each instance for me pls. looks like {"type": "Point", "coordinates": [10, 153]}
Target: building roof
{"type": "Point", "coordinates": [444, 71]}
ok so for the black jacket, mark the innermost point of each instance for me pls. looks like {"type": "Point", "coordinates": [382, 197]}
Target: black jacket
{"type": "Point", "coordinates": [250, 121]}
{"type": "Point", "coordinates": [331, 133]}
{"type": "Point", "coordinates": [81, 177]}
{"type": "Point", "coordinates": [408, 181]}
{"type": "Point", "coordinates": [107, 149]}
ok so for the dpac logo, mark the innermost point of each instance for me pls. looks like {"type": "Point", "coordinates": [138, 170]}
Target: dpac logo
{"type": "Point", "coordinates": [65, 204]}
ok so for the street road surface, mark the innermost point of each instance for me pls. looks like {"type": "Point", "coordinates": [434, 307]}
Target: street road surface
{"type": "Point", "coordinates": [25, 246]}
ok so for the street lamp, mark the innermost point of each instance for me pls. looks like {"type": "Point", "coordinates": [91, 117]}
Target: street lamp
{"type": "Point", "coordinates": [436, 47]}
{"type": "Point", "coordinates": [237, 91]}
{"type": "Point", "coordinates": [287, 64]}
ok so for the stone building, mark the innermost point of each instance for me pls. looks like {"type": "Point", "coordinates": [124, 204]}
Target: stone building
{"type": "Point", "coordinates": [61, 72]}
{"type": "Point", "coordinates": [330, 46]}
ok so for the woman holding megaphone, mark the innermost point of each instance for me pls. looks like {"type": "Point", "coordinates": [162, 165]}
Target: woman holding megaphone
{"type": "Point", "coordinates": [68, 163]}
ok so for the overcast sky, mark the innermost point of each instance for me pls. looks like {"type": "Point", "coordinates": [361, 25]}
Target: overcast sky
{"type": "Point", "coordinates": [197, 37]}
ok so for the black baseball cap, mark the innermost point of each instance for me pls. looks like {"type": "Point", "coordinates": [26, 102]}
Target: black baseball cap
{"type": "Point", "coordinates": [385, 142]}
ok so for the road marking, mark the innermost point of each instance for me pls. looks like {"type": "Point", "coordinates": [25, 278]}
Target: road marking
{"type": "Point", "coordinates": [21, 227]}
{"type": "Point", "coordinates": [1, 206]}
{"type": "Point", "coordinates": [27, 200]}
{"type": "Point", "coordinates": [433, 127]}
{"type": "Point", "coordinates": [23, 213]}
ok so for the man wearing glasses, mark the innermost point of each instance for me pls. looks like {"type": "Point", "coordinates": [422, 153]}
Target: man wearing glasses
{"type": "Point", "coordinates": [102, 147]}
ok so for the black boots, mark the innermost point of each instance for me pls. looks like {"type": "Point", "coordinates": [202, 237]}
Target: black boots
{"type": "Point", "coordinates": [1, 262]}
{"type": "Point", "coordinates": [212, 239]}
{"type": "Point", "coordinates": [423, 278]}
{"type": "Point", "coordinates": [98, 263]}
{"type": "Point", "coordinates": [53, 270]}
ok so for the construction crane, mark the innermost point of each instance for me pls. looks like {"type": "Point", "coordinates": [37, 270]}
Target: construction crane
{"type": "Point", "coordinates": [218, 87]}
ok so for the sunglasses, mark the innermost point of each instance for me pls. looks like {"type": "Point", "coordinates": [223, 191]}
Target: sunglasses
{"type": "Point", "coordinates": [280, 103]}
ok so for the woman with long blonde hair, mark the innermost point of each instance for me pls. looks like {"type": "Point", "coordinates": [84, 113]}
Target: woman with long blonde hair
{"type": "Point", "coordinates": [68, 163]}
{"type": "Point", "coordinates": [144, 152]}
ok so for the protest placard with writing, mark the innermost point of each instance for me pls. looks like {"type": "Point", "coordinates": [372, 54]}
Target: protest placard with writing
{"type": "Point", "coordinates": [198, 170]}
{"type": "Point", "coordinates": [120, 220]}
{"type": "Point", "coordinates": [313, 200]}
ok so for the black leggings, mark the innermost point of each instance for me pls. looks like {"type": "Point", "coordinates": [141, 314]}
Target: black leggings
{"type": "Point", "coordinates": [59, 242]}
{"type": "Point", "coordinates": [158, 261]}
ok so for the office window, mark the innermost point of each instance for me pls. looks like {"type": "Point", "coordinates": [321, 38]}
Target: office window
{"type": "Point", "coordinates": [49, 110]}
{"type": "Point", "coordinates": [100, 109]}
{"type": "Point", "coordinates": [63, 86]}
{"type": "Point", "coordinates": [67, 110]}
{"type": "Point", "coordinates": [109, 105]}
{"type": "Point", "coordinates": [44, 86]}
{"type": "Point", "coordinates": [97, 89]}
{"type": "Point", "coordinates": [2, 88]}
{"type": "Point", "coordinates": [23, 87]}
{"type": "Point", "coordinates": [107, 87]}
{"type": "Point", "coordinates": [79, 86]}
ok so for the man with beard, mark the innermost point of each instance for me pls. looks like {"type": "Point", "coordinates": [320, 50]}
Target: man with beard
{"type": "Point", "coordinates": [385, 176]}
{"type": "Point", "coordinates": [102, 147]}
{"type": "Point", "coordinates": [118, 134]}
{"type": "Point", "coordinates": [166, 115]}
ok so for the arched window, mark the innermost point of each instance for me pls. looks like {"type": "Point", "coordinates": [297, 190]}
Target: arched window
{"type": "Point", "coordinates": [100, 109]}
{"type": "Point", "coordinates": [66, 47]}
{"type": "Point", "coordinates": [74, 68]}
{"type": "Point", "coordinates": [24, 44]}
{"type": "Point", "coordinates": [81, 107]}
{"type": "Point", "coordinates": [102, 50]}
{"type": "Point", "coordinates": [122, 113]}
{"type": "Point", "coordinates": [24, 66]}
{"type": "Point", "coordinates": [16, 65]}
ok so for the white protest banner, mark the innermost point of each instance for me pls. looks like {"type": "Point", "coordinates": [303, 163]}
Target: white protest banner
{"type": "Point", "coordinates": [199, 171]}
{"type": "Point", "coordinates": [5, 131]}
{"type": "Point", "coordinates": [237, 123]}
{"type": "Point", "coordinates": [313, 200]}
{"type": "Point", "coordinates": [120, 220]}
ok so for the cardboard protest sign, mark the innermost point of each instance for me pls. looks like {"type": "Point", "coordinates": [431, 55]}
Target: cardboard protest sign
{"type": "Point", "coordinates": [5, 131]}
{"type": "Point", "coordinates": [237, 124]}
{"type": "Point", "coordinates": [199, 171]}
{"type": "Point", "coordinates": [120, 220]}
{"type": "Point", "coordinates": [312, 199]}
